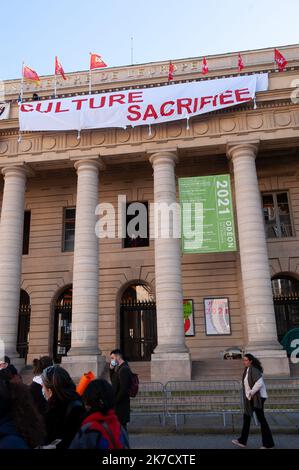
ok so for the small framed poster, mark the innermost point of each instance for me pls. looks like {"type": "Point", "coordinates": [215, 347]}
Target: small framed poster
{"type": "Point", "coordinates": [217, 317]}
{"type": "Point", "coordinates": [188, 317]}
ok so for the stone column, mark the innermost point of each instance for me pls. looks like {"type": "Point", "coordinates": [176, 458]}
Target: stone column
{"type": "Point", "coordinates": [11, 245]}
{"type": "Point", "coordinates": [84, 354]}
{"type": "Point", "coordinates": [171, 358]}
{"type": "Point", "coordinates": [256, 278]}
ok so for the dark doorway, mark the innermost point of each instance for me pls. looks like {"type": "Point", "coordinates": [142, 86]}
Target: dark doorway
{"type": "Point", "coordinates": [138, 322]}
{"type": "Point", "coordinates": [63, 325]}
{"type": "Point", "coordinates": [23, 325]}
{"type": "Point", "coordinates": [286, 303]}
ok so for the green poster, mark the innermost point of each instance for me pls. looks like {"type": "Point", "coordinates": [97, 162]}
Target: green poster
{"type": "Point", "coordinates": [207, 219]}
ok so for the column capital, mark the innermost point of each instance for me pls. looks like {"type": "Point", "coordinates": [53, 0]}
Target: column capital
{"type": "Point", "coordinates": [238, 149]}
{"type": "Point", "coordinates": [17, 170]}
{"type": "Point", "coordinates": [89, 163]}
{"type": "Point", "coordinates": [163, 156]}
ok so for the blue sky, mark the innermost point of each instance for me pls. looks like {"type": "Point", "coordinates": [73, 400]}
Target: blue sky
{"type": "Point", "coordinates": [37, 30]}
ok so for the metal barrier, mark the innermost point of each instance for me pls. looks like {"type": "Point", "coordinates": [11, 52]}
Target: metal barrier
{"type": "Point", "coordinates": [210, 397]}
{"type": "Point", "coordinates": [283, 395]}
{"type": "Point", "coordinates": [218, 397]}
{"type": "Point", "coordinates": [150, 400]}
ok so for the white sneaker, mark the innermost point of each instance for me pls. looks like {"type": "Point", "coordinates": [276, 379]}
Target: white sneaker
{"type": "Point", "coordinates": [237, 443]}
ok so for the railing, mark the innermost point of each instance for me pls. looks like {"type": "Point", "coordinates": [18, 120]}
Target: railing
{"type": "Point", "coordinates": [150, 400]}
{"type": "Point", "coordinates": [206, 397]}
{"type": "Point", "coordinates": [218, 397]}
{"type": "Point", "coordinates": [283, 395]}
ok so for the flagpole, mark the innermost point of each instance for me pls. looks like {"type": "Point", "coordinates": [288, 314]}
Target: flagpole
{"type": "Point", "coordinates": [132, 50]}
{"type": "Point", "coordinates": [22, 82]}
{"type": "Point", "coordinates": [55, 85]}
{"type": "Point", "coordinates": [89, 73]}
{"type": "Point", "coordinates": [55, 78]}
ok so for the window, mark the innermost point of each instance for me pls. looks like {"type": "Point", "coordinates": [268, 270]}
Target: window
{"type": "Point", "coordinates": [277, 215]}
{"type": "Point", "coordinates": [26, 232]}
{"type": "Point", "coordinates": [136, 224]}
{"type": "Point", "coordinates": [69, 229]}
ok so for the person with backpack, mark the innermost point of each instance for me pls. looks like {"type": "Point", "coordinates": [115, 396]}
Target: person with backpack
{"type": "Point", "coordinates": [65, 408]}
{"type": "Point", "coordinates": [101, 428]}
{"type": "Point", "coordinates": [121, 377]}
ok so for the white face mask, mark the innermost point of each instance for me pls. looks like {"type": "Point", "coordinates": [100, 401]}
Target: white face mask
{"type": "Point", "coordinates": [113, 362]}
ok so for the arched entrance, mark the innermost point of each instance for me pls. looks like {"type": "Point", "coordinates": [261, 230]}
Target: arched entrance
{"type": "Point", "coordinates": [62, 324]}
{"type": "Point", "coordinates": [286, 302]}
{"type": "Point", "coordinates": [138, 323]}
{"type": "Point", "coordinates": [23, 324]}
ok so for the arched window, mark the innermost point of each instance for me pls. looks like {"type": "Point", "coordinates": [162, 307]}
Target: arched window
{"type": "Point", "coordinates": [286, 302]}
{"type": "Point", "coordinates": [138, 323]}
{"type": "Point", "coordinates": [62, 324]}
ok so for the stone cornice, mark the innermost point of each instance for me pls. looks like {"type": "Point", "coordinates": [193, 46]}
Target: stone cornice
{"type": "Point", "coordinates": [153, 74]}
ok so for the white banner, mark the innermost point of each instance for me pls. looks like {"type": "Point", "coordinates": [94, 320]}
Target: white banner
{"type": "Point", "coordinates": [139, 107]}
{"type": "Point", "coordinates": [4, 110]}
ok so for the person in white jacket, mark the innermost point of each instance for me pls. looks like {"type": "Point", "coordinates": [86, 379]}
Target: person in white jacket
{"type": "Point", "coordinates": [254, 397]}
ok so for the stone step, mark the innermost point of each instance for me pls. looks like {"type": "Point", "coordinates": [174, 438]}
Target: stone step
{"type": "Point", "coordinates": [217, 369]}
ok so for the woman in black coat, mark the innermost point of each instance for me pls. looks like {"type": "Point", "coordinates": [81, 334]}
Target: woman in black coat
{"type": "Point", "coordinates": [65, 409]}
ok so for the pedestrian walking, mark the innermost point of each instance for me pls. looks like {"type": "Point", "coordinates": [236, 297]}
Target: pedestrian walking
{"type": "Point", "coordinates": [254, 397]}
{"type": "Point", "coordinates": [65, 408]}
{"type": "Point", "coordinates": [120, 376]}
{"type": "Point", "coordinates": [101, 428]}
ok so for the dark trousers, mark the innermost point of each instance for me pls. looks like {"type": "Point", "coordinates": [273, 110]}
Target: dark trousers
{"type": "Point", "coordinates": [267, 438]}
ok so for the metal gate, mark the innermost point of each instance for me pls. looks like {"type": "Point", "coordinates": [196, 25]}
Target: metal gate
{"type": "Point", "coordinates": [62, 331]}
{"type": "Point", "coordinates": [23, 330]}
{"type": "Point", "coordinates": [286, 313]}
{"type": "Point", "coordinates": [138, 330]}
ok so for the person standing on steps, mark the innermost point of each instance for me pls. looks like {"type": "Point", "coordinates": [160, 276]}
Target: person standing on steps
{"type": "Point", "coordinates": [254, 397]}
{"type": "Point", "coordinates": [120, 376]}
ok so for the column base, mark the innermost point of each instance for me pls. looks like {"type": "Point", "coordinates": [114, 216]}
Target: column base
{"type": "Point", "coordinates": [170, 366]}
{"type": "Point", "coordinates": [274, 361]}
{"type": "Point", "coordinates": [80, 364]}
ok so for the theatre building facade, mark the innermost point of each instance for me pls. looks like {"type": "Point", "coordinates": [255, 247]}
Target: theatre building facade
{"type": "Point", "coordinates": [67, 293]}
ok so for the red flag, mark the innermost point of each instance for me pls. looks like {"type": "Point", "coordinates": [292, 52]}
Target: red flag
{"type": "Point", "coordinates": [204, 67]}
{"type": "Point", "coordinates": [30, 74]}
{"type": "Point", "coordinates": [58, 68]}
{"type": "Point", "coordinates": [280, 60]}
{"type": "Point", "coordinates": [240, 63]}
{"type": "Point", "coordinates": [96, 62]}
{"type": "Point", "coordinates": [170, 71]}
